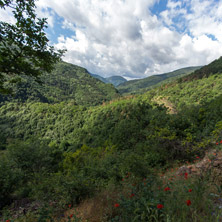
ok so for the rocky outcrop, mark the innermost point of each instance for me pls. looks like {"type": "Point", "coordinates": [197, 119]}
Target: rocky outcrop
{"type": "Point", "coordinates": [210, 165]}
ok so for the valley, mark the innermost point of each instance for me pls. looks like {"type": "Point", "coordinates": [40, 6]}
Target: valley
{"type": "Point", "coordinates": [74, 140]}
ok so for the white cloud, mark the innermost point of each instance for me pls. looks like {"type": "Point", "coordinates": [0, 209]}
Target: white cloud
{"type": "Point", "coordinates": [7, 16]}
{"type": "Point", "coordinates": [123, 37]}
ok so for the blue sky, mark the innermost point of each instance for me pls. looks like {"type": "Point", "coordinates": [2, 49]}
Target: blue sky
{"type": "Point", "coordinates": [134, 39]}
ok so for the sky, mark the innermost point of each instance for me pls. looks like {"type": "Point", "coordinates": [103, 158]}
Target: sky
{"type": "Point", "coordinates": [133, 38]}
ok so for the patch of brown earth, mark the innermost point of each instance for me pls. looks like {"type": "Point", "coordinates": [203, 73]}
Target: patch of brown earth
{"type": "Point", "coordinates": [97, 208]}
{"type": "Point", "coordinates": [211, 163]}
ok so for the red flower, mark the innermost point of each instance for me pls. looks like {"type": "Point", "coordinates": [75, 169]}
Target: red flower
{"type": "Point", "coordinates": [7, 221]}
{"type": "Point", "coordinates": [217, 143]}
{"type": "Point", "coordinates": [122, 179]}
{"type": "Point", "coordinates": [188, 202]}
{"type": "Point", "coordinates": [132, 195]}
{"type": "Point", "coordinates": [197, 157]}
{"type": "Point", "coordinates": [166, 189]}
{"type": "Point", "coordinates": [190, 190]}
{"type": "Point", "coordinates": [69, 205]}
{"type": "Point", "coordinates": [185, 175]}
{"type": "Point", "coordinates": [159, 206]}
{"type": "Point", "coordinates": [221, 141]}
{"type": "Point", "coordinates": [71, 216]}
{"type": "Point", "coordinates": [116, 205]}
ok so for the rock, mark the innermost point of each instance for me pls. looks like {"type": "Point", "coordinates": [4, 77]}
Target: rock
{"type": "Point", "coordinates": [211, 163]}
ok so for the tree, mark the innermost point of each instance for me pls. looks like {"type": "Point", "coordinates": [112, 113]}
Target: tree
{"type": "Point", "coordinates": [24, 48]}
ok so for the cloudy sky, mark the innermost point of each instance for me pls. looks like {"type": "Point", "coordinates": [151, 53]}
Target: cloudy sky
{"type": "Point", "coordinates": [134, 38]}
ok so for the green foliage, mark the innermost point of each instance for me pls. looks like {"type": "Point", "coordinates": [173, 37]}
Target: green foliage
{"type": "Point", "coordinates": [24, 46]}
{"type": "Point", "coordinates": [143, 85]}
{"type": "Point", "coordinates": [67, 82]}
{"type": "Point", "coordinates": [206, 71]}
{"type": "Point", "coordinates": [64, 152]}
{"type": "Point", "coordinates": [190, 93]}
{"type": "Point", "coordinates": [23, 166]}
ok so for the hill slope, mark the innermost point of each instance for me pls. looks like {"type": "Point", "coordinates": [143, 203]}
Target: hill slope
{"type": "Point", "coordinates": [115, 80]}
{"type": "Point", "coordinates": [203, 85]}
{"type": "Point", "coordinates": [142, 85]}
{"type": "Point", "coordinates": [206, 71]}
{"type": "Point", "coordinates": [118, 150]}
{"type": "Point", "coordinates": [66, 82]}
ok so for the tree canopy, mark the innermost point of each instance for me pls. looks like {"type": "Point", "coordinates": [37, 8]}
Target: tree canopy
{"type": "Point", "coordinates": [24, 48]}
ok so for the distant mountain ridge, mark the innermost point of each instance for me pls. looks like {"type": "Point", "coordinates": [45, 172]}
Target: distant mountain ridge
{"type": "Point", "coordinates": [115, 80]}
{"type": "Point", "coordinates": [142, 85]}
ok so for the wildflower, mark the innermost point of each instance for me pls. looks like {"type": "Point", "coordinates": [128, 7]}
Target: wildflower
{"type": "Point", "coordinates": [159, 206]}
{"type": "Point", "coordinates": [166, 189]}
{"type": "Point", "coordinates": [185, 175]}
{"type": "Point", "coordinates": [132, 195]}
{"type": "Point", "coordinates": [7, 221]}
{"type": "Point", "coordinates": [69, 205]}
{"type": "Point", "coordinates": [122, 179]}
{"type": "Point", "coordinates": [116, 205]}
{"type": "Point", "coordinates": [188, 202]}
{"type": "Point", "coordinates": [217, 143]}
{"type": "Point", "coordinates": [71, 216]}
{"type": "Point", "coordinates": [221, 141]}
{"type": "Point", "coordinates": [197, 157]}
{"type": "Point", "coordinates": [190, 190]}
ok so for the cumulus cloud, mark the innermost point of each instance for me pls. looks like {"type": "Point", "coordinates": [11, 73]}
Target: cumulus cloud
{"type": "Point", "coordinates": [128, 38]}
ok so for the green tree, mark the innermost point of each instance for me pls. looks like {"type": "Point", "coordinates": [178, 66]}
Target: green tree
{"type": "Point", "coordinates": [24, 48]}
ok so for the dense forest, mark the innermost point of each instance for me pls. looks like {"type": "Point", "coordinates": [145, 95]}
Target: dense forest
{"type": "Point", "coordinates": [66, 82]}
{"type": "Point", "coordinates": [73, 138]}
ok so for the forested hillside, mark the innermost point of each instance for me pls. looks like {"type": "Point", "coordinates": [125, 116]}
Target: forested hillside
{"type": "Point", "coordinates": [143, 85]}
{"type": "Point", "coordinates": [66, 82]}
{"type": "Point", "coordinates": [202, 86]}
{"type": "Point", "coordinates": [59, 152]}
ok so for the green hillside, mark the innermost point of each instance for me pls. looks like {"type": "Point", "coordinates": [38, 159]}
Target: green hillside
{"type": "Point", "coordinates": [143, 85]}
{"type": "Point", "coordinates": [206, 71]}
{"type": "Point", "coordinates": [114, 158]}
{"type": "Point", "coordinates": [66, 82]}
{"type": "Point", "coordinates": [203, 85]}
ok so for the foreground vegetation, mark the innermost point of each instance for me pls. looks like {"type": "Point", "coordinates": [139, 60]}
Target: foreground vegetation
{"type": "Point", "coordinates": [55, 156]}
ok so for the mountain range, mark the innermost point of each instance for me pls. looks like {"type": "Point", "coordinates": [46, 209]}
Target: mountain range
{"type": "Point", "coordinates": [115, 80]}
{"type": "Point", "coordinates": [75, 141]}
